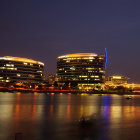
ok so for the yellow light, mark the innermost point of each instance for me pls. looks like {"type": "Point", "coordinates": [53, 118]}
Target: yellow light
{"type": "Point", "coordinates": [90, 68]}
{"type": "Point", "coordinates": [94, 76]}
{"type": "Point", "coordinates": [83, 76]}
{"type": "Point", "coordinates": [2, 67]}
{"type": "Point", "coordinates": [78, 55]}
{"type": "Point", "coordinates": [117, 77]}
{"type": "Point", "coordinates": [25, 63]}
{"type": "Point", "coordinates": [18, 75]}
{"type": "Point", "coordinates": [26, 60]}
{"type": "Point", "coordinates": [10, 65]}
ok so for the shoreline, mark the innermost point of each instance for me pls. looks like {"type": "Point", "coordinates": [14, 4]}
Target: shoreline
{"type": "Point", "coordinates": [68, 92]}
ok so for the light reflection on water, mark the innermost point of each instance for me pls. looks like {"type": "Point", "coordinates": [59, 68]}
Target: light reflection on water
{"type": "Point", "coordinates": [41, 116]}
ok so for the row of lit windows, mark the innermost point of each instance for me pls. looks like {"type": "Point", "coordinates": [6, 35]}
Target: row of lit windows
{"type": "Point", "coordinates": [19, 75]}
{"type": "Point", "coordinates": [72, 58]}
{"type": "Point", "coordinates": [30, 64]}
{"type": "Point", "coordinates": [4, 80]}
{"type": "Point", "coordinates": [84, 63]}
{"type": "Point", "coordinates": [8, 68]}
{"type": "Point", "coordinates": [85, 79]}
{"type": "Point", "coordinates": [90, 68]}
{"type": "Point", "coordinates": [90, 76]}
{"type": "Point", "coordinates": [30, 75]}
{"type": "Point", "coordinates": [13, 64]}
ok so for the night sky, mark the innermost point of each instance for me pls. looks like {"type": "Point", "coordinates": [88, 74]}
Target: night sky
{"type": "Point", "coordinates": [44, 29]}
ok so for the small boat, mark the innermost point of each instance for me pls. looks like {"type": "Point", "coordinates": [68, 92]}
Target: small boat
{"type": "Point", "coordinates": [129, 98]}
{"type": "Point", "coordinates": [85, 121]}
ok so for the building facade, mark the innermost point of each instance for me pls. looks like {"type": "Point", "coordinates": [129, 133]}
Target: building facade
{"type": "Point", "coordinates": [51, 78]}
{"type": "Point", "coordinates": [85, 69]}
{"type": "Point", "coordinates": [116, 80]}
{"type": "Point", "coordinates": [16, 69]}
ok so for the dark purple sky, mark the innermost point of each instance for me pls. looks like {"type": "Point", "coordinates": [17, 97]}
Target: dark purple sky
{"type": "Point", "coordinates": [45, 29]}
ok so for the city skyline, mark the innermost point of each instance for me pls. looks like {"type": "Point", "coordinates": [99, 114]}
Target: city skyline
{"type": "Point", "coordinates": [47, 29]}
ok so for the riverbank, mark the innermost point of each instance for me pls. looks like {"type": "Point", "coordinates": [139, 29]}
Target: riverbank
{"type": "Point", "coordinates": [65, 91]}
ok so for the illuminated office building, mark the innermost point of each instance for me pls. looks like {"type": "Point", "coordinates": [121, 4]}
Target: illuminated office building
{"type": "Point", "coordinates": [116, 80]}
{"type": "Point", "coordinates": [16, 69]}
{"type": "Point", "coordinates": [86, 69]}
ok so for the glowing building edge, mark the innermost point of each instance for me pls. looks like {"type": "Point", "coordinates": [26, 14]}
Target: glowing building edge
{"type": "Point", "coordinates": [78, 55]}
{"type": "Point", "coordinates": [25, 60]}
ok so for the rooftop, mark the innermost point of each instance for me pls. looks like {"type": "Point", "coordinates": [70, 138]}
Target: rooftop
{"type": "Point", "coordinates": [26, 60]}
{"type": "Point", "coordinates": [78, 55]}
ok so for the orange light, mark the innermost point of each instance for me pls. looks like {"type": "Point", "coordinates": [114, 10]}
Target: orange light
{"type": "Point", "coordinates": [18, 93]}
{"type": "Point", "coordinates": [61, 93]}
{"type": "Point", "coordinates": [21, 59]}
{"type": "Point", "coordinates": [35, 93]}
{"type": "Point", "coordinates": [69, 93]}
{"type": "Point", "coordinates": [52, 93]}
{"type": "Point", "coordinates": [78, 55]}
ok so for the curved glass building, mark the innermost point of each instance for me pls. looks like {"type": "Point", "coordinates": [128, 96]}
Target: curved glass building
{"type": "Point", "coordinates": [86, 69]}
{"type": "Point", "coordinates": [16, 69]}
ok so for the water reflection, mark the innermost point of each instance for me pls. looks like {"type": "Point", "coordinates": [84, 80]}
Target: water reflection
{"type": "Point", "coordinates": [56, 116]}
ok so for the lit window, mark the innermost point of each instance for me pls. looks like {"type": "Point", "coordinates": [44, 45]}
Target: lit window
{"type": "Point", "coordinates": [10, 65]}
{"type": "Point", "coordinates": [30, 75]}
{"type": "Point", "coordinates": [18, 75]}
{"type": "Point", "coordinates": [2, 67]}
{"type": "Point", "coordinates": [101, 71]}
{"type": "Point", "coordinates": [97, 79]}
{"type": "Point", "coordinates": [90, 68]}
{"type": "Point", "coordinates": [83, 76]}
{"type": "Point", "coordinates": [72, 68]}
{"type": "Point", "coordinates": [25, 63]}
{"type": "Point", "coordinates": [39, 71]}
{"type": "Point", "coordinates": [60, 69]}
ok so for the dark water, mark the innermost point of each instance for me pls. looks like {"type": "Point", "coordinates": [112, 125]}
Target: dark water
{"type": "Point", "coordinates": [56, 117]}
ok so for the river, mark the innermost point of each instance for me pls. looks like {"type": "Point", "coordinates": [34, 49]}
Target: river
{"type": "Point", "coordinates": [42, 116]}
